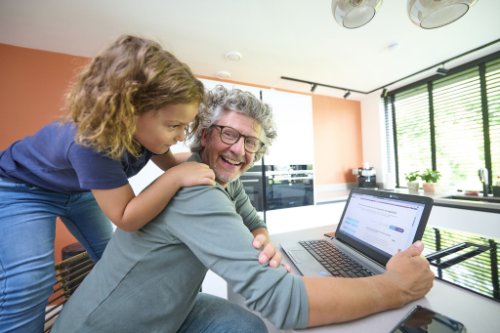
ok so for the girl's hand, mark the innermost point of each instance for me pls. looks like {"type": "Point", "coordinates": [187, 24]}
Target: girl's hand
{"type": "Point", "coordinates": [193, 173]}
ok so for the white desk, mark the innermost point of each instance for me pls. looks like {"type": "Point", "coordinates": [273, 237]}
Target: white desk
{"type": "Point", "coordinates": [479, 314]}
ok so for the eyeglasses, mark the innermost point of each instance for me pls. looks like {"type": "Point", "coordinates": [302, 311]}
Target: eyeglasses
{"type": "Point", "coordinates": [230, 136]}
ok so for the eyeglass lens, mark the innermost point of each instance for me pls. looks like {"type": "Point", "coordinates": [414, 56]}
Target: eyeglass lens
{"type": "Point", "coordinates": [231, 136]}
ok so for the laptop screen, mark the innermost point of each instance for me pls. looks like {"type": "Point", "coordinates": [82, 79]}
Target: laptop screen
{"type": "Point", "coordinates": [380, 223]}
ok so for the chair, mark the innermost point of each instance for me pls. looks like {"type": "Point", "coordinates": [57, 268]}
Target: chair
{"type": "Point", "coordinates": [69, 274]}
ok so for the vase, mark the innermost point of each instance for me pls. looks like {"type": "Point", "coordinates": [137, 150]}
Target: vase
{"type": "Point", "coordinates": [413, 187]}
{"type": "Point", "coordinates": [429, 187]}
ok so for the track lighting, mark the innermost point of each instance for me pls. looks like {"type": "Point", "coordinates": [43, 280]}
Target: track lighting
{"type": "Point", "coordinates": [441, 71]}
{"type": "Point", "coordinates": [384, 93]}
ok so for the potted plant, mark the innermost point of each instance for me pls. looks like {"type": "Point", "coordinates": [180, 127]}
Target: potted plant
{"type": "Point", "coordinates": [412, 181]}
{"type": "Point", "coordinates": [430, 178]}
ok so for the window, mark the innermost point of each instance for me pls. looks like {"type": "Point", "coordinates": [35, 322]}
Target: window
{"type": "Point", "coordinates": [451, 124]}
{"type": "Point", "coordinates": [493, 96]}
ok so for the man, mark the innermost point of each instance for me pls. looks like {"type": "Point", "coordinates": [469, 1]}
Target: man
{"type": "Point", "coordinates": [149, 280]}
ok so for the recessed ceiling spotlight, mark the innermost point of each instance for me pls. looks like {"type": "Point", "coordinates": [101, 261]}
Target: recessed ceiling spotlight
{"type": "Point", "coordinates": [392, 46]}
{"type": "Point", "coordinates": [233, 56]}
{"type": "Point", "coordinates": [223, 74]}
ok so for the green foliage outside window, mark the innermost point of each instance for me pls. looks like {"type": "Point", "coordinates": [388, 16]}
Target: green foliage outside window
{"type": "Point", "coordinates": [450, 124]}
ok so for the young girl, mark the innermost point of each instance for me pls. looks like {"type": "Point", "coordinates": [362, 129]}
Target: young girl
{"type": "Point", "coordinates": [131, 104]}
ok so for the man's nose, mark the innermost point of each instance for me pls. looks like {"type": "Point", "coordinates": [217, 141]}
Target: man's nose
{"type": "Point", "coordinates": [239, 146]}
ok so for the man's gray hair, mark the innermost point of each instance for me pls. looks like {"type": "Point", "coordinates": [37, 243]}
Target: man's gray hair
{"type": "Point", "coordinates": [220, 99]}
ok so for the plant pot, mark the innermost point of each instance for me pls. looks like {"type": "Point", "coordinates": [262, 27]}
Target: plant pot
{"type": "Point", "coordinates": [413, 187]}
{"type": "Point", "coordinates": [429, 187]}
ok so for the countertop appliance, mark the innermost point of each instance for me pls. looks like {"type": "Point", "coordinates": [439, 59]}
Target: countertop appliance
{"type": "Point", "coordinates": [367, 177]}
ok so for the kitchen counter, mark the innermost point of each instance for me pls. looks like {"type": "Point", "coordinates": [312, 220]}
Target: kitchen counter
{"type": "Point", "coordinates": [467, 204]}
{"type": "Point", "coordinates": [326, 197]}
{"type": "Point", "coordinates": [440, 199]}
{"type": "Point", "coordinates": [461, 201]}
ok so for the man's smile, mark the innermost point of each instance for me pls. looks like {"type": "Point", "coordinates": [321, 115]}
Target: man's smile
{"type": "Point", "coordinates": [229, 160]}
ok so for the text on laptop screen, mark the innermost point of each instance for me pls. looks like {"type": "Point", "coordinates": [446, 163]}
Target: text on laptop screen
{"type": "Point", "coordinates": [387, 224]}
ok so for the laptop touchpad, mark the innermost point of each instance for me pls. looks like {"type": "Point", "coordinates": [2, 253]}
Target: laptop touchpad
{"type": "Point", "coordinates": [300, 255]}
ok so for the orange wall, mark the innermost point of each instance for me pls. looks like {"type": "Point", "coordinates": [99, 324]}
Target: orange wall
{"type": "Point", "coordinates": [32, 86]}
{"type": "Point", "coordinates": [33, 83]}
{"type": "Point", "coordinates": [337, 140]}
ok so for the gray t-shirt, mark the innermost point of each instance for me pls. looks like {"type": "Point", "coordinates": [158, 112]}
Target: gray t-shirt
{"type": "Point", "coordinates": [148, 280]}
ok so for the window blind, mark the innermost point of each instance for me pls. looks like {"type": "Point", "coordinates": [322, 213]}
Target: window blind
{"type": "Point", "coordinates": [451, 124]}
{"type": "Point", "coordinates": [412, 131]}
{"type": "Point", "coordinates": [458, 125]}
{"type": "Point", "coordinates": [493, 96]}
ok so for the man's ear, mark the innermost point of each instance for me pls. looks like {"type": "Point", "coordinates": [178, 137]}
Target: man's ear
{"type": "Point", "coordinates": [204, 139]}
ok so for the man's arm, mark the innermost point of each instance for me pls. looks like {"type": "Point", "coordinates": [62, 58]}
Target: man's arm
{"type": "Point", "coordinates": [215, 234]}
{"type": "Point", "coordinates": [407, 278]}
{"type": "Point", "coordinates": [333, 300]}
{"type": "Point", "coordinates": [253, 222]}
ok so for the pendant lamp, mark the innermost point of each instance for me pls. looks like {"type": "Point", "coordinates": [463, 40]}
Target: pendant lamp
{"type": "Point", "coordinates": [427, 14]}
{"type": "Point", "coordinates": [430, 14]}
{"type": "Point", "coordinates": [353, 14]}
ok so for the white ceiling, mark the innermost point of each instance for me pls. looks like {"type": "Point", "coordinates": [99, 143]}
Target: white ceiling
{"type": "Point", "coordinates": [293, 38]}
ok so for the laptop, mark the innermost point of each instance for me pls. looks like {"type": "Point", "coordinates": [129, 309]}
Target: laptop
{"type": "Point", "coordinates": [374, 226]}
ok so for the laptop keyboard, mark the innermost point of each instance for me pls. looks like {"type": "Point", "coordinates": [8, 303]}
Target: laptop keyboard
{"type": "Point", "coordinates": [335, 262]}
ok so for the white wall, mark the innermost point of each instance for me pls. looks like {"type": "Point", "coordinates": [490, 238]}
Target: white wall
{"type": "Point", "coordinates": [373, 137]}
{"type": "Point", "coordinates": [294, 122]}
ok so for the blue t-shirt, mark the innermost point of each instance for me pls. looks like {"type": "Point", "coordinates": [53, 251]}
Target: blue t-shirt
{"type": "Point", "coordinates": [51, 159]}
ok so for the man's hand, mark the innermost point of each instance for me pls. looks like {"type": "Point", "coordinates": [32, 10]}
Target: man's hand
{"type": "Point", "coordinates": [410, 272]}
{"type": "Point", "coordinates": [268, 254]}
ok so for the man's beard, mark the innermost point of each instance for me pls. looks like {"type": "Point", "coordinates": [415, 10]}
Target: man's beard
{"type": "Point", "coordinates": [223, 178]}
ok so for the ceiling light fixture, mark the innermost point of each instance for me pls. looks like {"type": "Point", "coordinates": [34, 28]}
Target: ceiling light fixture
{"type": "Point", "coordinates": [427, 14]}
{"type": "Point", "coordinates": [384, 93]}
{"type": "Point", "coordinates": [233, 56]}
{"type": "Point", "coordinates": [442, 71]}
{"type": "Point", "coordinates": [347, 94]}
{"type": "Point", "coordinates": [353, 14]}
{"type": "Point", "coordinates": [430, 14]}
{"type": "Point", "coordinates": [223, 74]}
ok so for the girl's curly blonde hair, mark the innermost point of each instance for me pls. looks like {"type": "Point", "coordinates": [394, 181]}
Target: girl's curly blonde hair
{"type": "Point", "coordinates": [132, 76]}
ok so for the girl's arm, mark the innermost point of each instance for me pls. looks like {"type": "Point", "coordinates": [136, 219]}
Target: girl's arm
{"type": "Point", "coordinates": [168, 160]}
{"type": "Point", "coordinates": [130, 212]}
